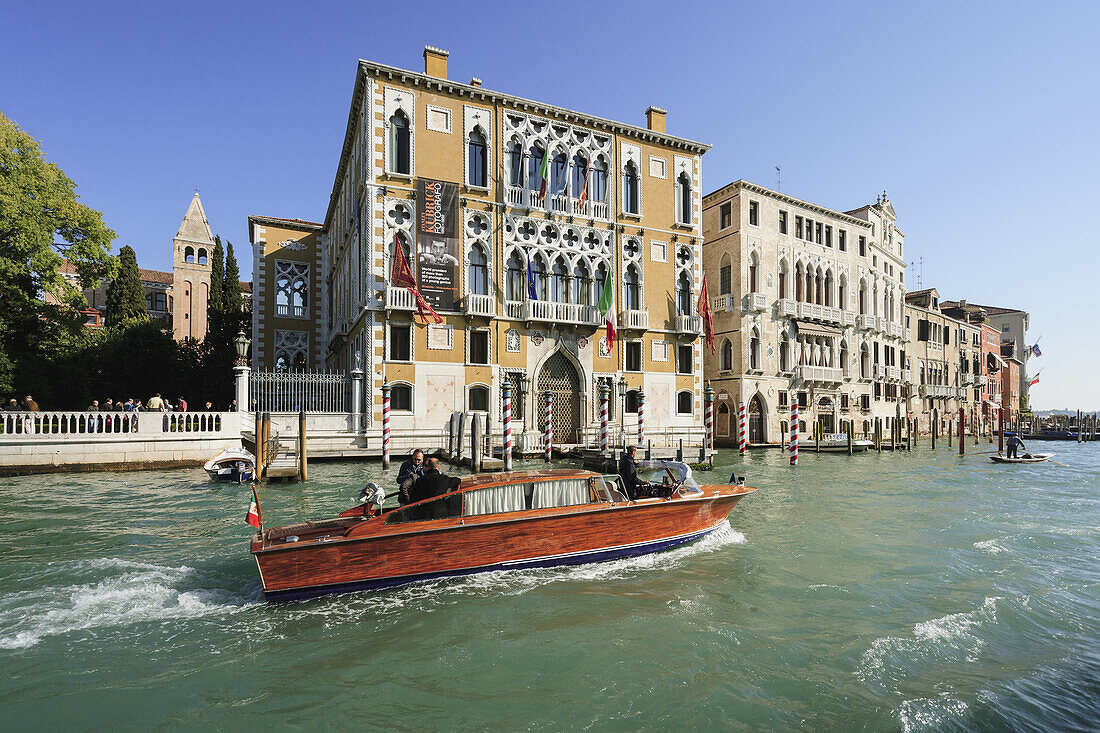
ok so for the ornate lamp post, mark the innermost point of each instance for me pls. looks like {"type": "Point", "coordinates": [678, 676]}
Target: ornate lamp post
{"type": "Point", "coordinates": [242, 371]}
{"type": "Point", "coordinates": [622, 385]}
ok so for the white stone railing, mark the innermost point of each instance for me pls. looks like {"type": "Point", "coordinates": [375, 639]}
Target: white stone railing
{"type": "Point", "coordinates": [981, 380]}
{"type": "Point", "coordinates": [893, 329]}
{"type": "Point", "coordinates": [548, 310]}
{"type": "Point", "coordinates": [480, 305]}
{"type": "Point", "coordinates": [722, 303]}
{"type": "Point", "coordinates": [398, 298]}
{"type": "Point", "coordinates": [66, 426]}
{"type": "Point", "coordinates": [847, 318]}
{"type": "Point", "coordinates": [867, 321]}
{"type": "Point", "coordinates": [689, 324]}
{"type": "Point", "coordinates": [755, 302]}
{"type": "Point", "coordinates": [937, 390]}
{"type": "Point", "coordinates": [292, 311]}
{"type": "Point", "coordinates": [820, 373]}
{"type": "Point", "coordinates": [906, 334]}
{"type": "Point", "coordinates": [879, 371]}
{"type": "Point", "coordinates": [788, 307]}
{"type": "Point", "coordinates": [634, 319]}
{"type": "Point", "coordinates": [893, 373]}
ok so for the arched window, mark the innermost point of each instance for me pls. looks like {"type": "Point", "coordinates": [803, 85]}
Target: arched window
{"type": "Point", "coordinates": [754, 350]}
{"type": "Point", "coordinates": [478, 273]}
{"type": "Point", "coordinates": [516, 284]}
{"type": "Point", "coordinates": [630, 188]}
{"type": "Point", "coordinates": [683, 199]}
{"type": "Point", "coordinates": [685, 403]}
{"type": "Point", "coordinates": [559, 281]}
{"type": "Point", "coordinates": [582, 284]}
{"type": "Point", "coordinates": [479, 398]}
{"type": "Point", "coordinates": [844, 357]}
{"type": "Point", "coordinates": [864, 362]}
{"type": "Point", "coordinates": [784, 352]}
{"type": "Point", "coordinates": [400, 144]}
{"type": "Point", "coordinates": [202, 256]}
{"type": "Point", "coordinates": [403, 241]}
{"type": "Point", "coordinates": [559, 174]}
{"type": "Point", "coordinates": [842, 294]}
{"type": "Point", "coordinates": [598, 184]}
{"type": "Point", "coordinates": [727, 356]}
{"type": "Point", "coordinates": [477, 165]}
{"type": "Point", "coordinates": [725, 276]}
{"type": "Point", "coordinates": [809, 285]}
{"type": "Point", "coordinates": [683, 294]}
{"type": "Point", "coordinates": [598, 283]}
{"type": "Point", "coordinates": [754, 274]}
{"type": "Point", "coordinates": [782, 279]}
{"type": "Point", "coordinates": [299, 362]}
{"type": "Point", "coordinates": [515, 162]}
{"type": "Point", "coordinates": [188, 254]}
{"type": "Point", "coordinates": [828, 288]}
{"type": "Point", "coordinates": [401, 397]}
{"type": "Point", "coordinates": [538, 267]}
{"type": "Point", "coordinates": [633, 289]}
{"type": "Point", "coordinates": [819, 286]}
{"type": "Point", "coordinates": [798, 282]}
{"type": "Point", "coordinates": [580, 173]}
{"type": "Point", "coordinates": [534, 162]}
{"type": "Point", "coordinates": [862, 297]}
{"type": "Point", "coordinates": [631, 401]}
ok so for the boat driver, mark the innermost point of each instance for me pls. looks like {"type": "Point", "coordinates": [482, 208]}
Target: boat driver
{"type": "Point", "coordinates": [1013, 444]}
{"type": "Point", "coordinates": [628, 472]}
{"type": "Point", "coordinates": [411, 470]}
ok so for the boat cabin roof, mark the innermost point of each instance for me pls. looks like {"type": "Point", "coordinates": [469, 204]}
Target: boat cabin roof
{"type": "Point", "coordinates": [483, 480]}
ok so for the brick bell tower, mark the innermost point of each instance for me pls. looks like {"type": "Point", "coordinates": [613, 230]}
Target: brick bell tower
{"type": "Point", "coordinates": [192, 249]}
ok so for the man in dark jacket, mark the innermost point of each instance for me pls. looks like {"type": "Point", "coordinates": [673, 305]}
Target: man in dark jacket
{"type": "Point", "coordinates": [411, 470]}
{"type": "Point", "coordinates": [1013, 444]}
{"type": "Point", "coordinates": [432, 483]}
{"type": "Point", "coordinates": [628, 472]}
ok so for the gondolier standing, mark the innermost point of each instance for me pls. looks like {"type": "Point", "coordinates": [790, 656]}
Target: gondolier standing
{"type": "Point", "coordinates": [1013, 444]}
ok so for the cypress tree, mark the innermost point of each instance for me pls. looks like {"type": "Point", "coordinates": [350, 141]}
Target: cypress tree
{"type": "Point", "coordinates": [215, 300]}
{"type": "Point", "coordinates": [232, 301]}
{"type": "Point", "coordinates": [125, 296]}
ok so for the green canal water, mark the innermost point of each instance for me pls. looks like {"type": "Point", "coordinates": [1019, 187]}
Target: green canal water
{"type": "Point", "coordinates": [918, 591]}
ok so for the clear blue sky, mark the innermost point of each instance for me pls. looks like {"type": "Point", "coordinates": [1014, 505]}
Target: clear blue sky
{"type": "Point", "coordinates": [980, 120]}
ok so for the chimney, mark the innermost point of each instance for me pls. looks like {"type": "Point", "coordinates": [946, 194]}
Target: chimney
{"type": "Point", "coordinates": [435, 62]}
{"type": "Point", "coordinates": [655, 119]}
{"type": "Point", "coordinates": [962, 303]}
{"type": "Point", "coordinates": [475, 82]}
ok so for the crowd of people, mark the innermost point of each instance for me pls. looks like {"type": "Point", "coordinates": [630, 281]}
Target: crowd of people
{"type": "Point", "coordinates": [156, 403]}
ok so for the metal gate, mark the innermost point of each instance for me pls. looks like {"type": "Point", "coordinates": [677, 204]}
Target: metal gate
{"type": "Point", "coordinates": [560, 377]}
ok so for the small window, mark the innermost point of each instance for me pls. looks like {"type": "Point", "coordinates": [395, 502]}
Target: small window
{"type": "Point", "coordinates": [802, 400]}
{"type": "Point", "coordinates": [782, 222]}
{"type": "Point", "coordinates": [817, 229]}
{"type": "Point", "coordinates": [479, 398]}
{"type": "Point", "coordinates": [401, 398]}
{"type": "Point", "coordinates": [782, 396]}
{"type": "Point", "coordinates": [479, 347]}
{"type": "Point", "coordinates": [683, 199]}
{"type": "Point", "coordinates": [400, 144]}
{"type": "Point", "coordinates": [726, 215]}
{"type": "Point", "coordinates": [842, 240]}
{"type": "Point", "coordinates": [400, 342]}
{"type": "Point", "coordinates": [863, 246]}
{"type": "Point", "coordinates": [754, 213]}
{"type": "Point", "coordinates": [828, 236]}
{"type": "Point", "coordinates": [727, 356]}
{"type": "Point", "coordinates": [477, 160]}
{"type": "Point", "coordinates": [630, 189]}
{"type": "Point", "coordinates": [798, 227]}
{"type": "Point", "coordinates": [684, 359]}
{"type": "Point", "coordinates": [634, 356]}
{"type": "Point", "coordinates": [631, 401]}
{"type": "Point", "coordinates": [725, 280]}
{"type": "Point", "coordinates": [684, 403]}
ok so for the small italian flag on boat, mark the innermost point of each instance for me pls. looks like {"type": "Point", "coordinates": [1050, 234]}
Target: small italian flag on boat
{"type": "Point", "coordinates": [253, 516]}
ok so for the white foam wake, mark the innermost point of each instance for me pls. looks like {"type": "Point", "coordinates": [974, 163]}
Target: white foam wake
{"type": "Point", "coordinates": [121, 593]}
{"type": "Point", "coordinates": [993, 547]}
{"type": "Point", "coordinates": [929, 712]}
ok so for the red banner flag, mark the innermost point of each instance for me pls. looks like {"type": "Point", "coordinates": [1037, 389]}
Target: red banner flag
{"type": "Point", "coordinates": [704, 311]}
{"type": "Point", "coordinates": [402, 277]}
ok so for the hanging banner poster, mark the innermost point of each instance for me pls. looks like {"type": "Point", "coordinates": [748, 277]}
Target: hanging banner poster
{"type": "Point", "coordinates": [437, 243]}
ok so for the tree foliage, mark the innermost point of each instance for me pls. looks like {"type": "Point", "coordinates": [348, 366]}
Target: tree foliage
{"type": "Point", "coordinates": [42, 223]}
{"type": "Point", "coordinates": [125, 296]}
{"type": "Point", "coordinates": [214, 301]}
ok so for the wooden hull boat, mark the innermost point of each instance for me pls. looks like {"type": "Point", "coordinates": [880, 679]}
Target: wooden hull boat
{"type": "Point", "coordinates": [1026, 458]}
{"type": "Point", "coordinates": [231, 465]}
{"type": "Point", "coordinates": [491, 522]}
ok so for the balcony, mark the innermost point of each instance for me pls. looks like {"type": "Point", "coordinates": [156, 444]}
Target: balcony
{"type": "Point", "coordinates": [879, 371]}
{"type": "Point", "coordinates": [479, 305]}
{"type": "Point", "coordinates": [633, 320]}
{"type": "Point", "coordinates": [893, 373]}
{"type": "Point", "coordinates": [691, 325]}
{"type": "Point", "coordinates": [551, 312]}
{"type": "Point", "coordinates": [847, 318]}
{"type": "Point", "coordinates": [968, 379]}
{"type": "Point", "coordinates": [893, 330]}
{"type": "Point", "coordinates": [723, 303]}
{"type": "Point", "coordinates": [937, 390]}
{"type": "Point", "coordinates": [981, 380]}
{"type": "Point", "coordinates": [907, 376]}
{"type": "Point", "coordinates": [825, 375]}
{"type": "Point", "coordinates": [867, 322]}
{"type": "Point", "coordinates": [788, 308]}
{"type": "Point", "coordinates": [755, 302]}
{"type": "Point", "coordinates": [290, 311]}
{"type": "Point", "coordinates": [527, 199]}
{"type": "Point", "coordinates": [823, 313]}
{"type": "Point", "coordinates": [906, 334]}
{"type": "Point", "coordinates": [399, 299]}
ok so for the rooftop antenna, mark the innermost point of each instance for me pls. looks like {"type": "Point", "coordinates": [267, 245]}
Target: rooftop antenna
{"type": "Point", "coordinates": [778, 179]}
{"type": "Point", "coordinates": [920, 272]}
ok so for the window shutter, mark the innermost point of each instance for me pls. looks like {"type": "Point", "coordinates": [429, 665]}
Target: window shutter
{"type": "Point", "coordinates": [922, 330]}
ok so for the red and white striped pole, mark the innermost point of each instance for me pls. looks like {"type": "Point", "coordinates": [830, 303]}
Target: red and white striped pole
{"type": "Point", "coordinates": [385, 425]}
{"type": "Point", "coordinates": [708, 416]}
{"type": "Point", "coordinates": [641, 418]}
{"type": "Point", "coordinates": [742, 440]}
{"type": "Point", "coordinates": [794, 431]}
{"type": "Point", "coordinates": [604, 389]}
{"type": "Point", "coordinates": [506, 450]}
{"type": "Point", "coordinates": [549, 423]}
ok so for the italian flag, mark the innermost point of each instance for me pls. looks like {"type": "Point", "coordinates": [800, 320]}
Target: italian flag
{"type": "Point", "coordinates": [544, 172]}
{"type": "Point", "coordinates": [604, 307]}
{"type": "Point", "coordinates": [253, 516]}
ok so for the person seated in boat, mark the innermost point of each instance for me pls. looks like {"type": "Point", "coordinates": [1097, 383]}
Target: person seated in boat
{"type": "Point", "coordinates": [1013, 444]}
{"type": "Point", "coordinates": [432, 482]}
{"type": "Point", "coordinates": [628, 472]}
{"type": "Point", "coordinates": [410, 471]}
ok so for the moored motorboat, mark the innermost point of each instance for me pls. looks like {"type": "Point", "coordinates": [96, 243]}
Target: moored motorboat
{"type": "Point", "coordinates": [836, 443]}
{"type": "Point", "coordinates": [1025, 458]}
{"type": "Point", "coordinates": [491, 522]}
{"type": "Point", "coordinates": [232, 464]}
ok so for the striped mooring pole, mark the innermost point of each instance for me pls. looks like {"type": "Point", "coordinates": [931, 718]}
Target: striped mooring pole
{"type": "Point", "coordinates": [549, 422]}
{"type": "Point", "coordinates": [641, 417]}
{"type": "Point", "coordinates": [742, 438]}
{"type": "Point", "coordinates": [708, 399]}
{"type": "Point", "coordinates": [385, 425]}
{"type": "Point", "coordinates": [794, 431]}
{"type": "Point", "coordinates": [604, 390]}
{"type": "Point", "coordinates": [506, 450]}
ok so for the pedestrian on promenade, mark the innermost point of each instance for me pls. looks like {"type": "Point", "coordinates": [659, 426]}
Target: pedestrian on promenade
{"type": "Point", "coordinates": [30, 404]}
{"type": "Point", "coordinates": [156, 403]}
{"type": "Point", "coordinates": [109, 405]}
{"type": "Point", "coordinates": [129, 406]}
{"type": "Point", "coordinates": [13, 406]}
{"type": "Point", "coordinates": [94, 407]}
{"type": "Point", "coordinates": [120, 406]}
{"type": "Point", "coordinates": [181, 404]}
{"type": "Point", "coordinates": [209, 407]}
{"type": "Point", "coordinates": [233, 406]}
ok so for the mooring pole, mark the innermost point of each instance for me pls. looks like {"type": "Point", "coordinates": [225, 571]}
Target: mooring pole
{"type": "Point", "coordinates": [1000, 430]}
{"type": "Point", "coordinates": [549, 432]}
{"type": "Point", "coordinates": [962, 431]}
{"type": "Point", "coordinates": [604, 393]}
{"type": "Point", "coordinates": [302, 467]}
{"type": "Point", "coordinates": [506, 449]}
{"type": "Point", "coordinates": [794, 431]}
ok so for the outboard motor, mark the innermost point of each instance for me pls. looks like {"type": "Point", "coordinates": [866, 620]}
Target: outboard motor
{"type": "Point", "coordinates": [372, 494]}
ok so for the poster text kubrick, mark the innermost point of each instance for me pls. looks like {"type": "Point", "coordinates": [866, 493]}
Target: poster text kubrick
{"type": "Point", "coordinates": [432, 217]}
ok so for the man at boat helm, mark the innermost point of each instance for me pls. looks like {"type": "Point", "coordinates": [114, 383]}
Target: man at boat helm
{"type": "Point", "coordinates": [432, 483]}
{"type": "Point", "coordinates": [411, 470]}
{"type": "Point", "coordinates": [628, 472]}
{"type": "Point", "coordinates": [1013, 444]}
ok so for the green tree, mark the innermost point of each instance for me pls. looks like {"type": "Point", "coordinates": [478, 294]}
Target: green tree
{"type": "Point", "coordinates": [214, 301]}
{"type": "Point", "coordinates": [42, 223]}
{"type": "Point", "coordinates": [232, 300]}
{"type": "Point", "coordinates": [125, 296]}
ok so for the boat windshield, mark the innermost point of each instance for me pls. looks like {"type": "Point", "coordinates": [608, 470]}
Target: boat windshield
{"type": "Point", "coordinates": [664, 472]}
{"type": "Point", "coordinates": [608, 489]}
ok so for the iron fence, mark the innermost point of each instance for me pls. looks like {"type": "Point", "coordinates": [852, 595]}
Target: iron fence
{"type": "Point", "coordinates": [294, 391]}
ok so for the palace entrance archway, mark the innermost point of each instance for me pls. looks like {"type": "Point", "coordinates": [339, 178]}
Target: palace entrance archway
{"type": "Point", "coordinates": [560, 377]}
{"type": "Point", "coordinates": [756, 420]}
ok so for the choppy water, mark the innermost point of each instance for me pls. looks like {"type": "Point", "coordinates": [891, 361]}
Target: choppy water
{"type": "Point", "coordinates": [913, 592]}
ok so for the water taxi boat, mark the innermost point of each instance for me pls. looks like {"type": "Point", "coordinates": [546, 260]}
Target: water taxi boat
{"type": "Point", "coordinates": [233, 464]}
{"type": "Point", "coordinates": [501, 521]}
{"type": "Point", "coordinates": [1025, 458]}
{"type": "Point", "coordinates": [836, 443]}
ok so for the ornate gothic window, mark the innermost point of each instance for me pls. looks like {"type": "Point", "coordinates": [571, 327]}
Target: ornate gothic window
{"type": "Point", "coordinates": [478, 175]}
{"type": "Point", "coordinates": [516, 278]}
{"type": "Point", "coordinates": [727, 356]}
{"type": "Point", "coordinates": [515, 163]}
{"type": "Point", "coordinates": [291, 289]}
{"type": "Point", "coordinates": [534, 162]}
{"type": "Point", "coordinates": [683, 294]}
{"type": "Point", "coordinates": [580, 171]}
{"type": "Point", "coordinates": [400, 144]}
{"type": "Point", "coordinates": [559, 174]}
{"type": "Point", "coordinates": [598, 183]}
{"type": "Point", "coordinates": [632, 292]}
{"type": "Point", "coordinates": [630, 188]}
{"type": "Point", "coordinates": [559, 281]}
{"type": "Point", "coordinates": [582, 284]}
{"type": "Point", "coordinates": [683, 199]}
{"type": "Point", "coordinates": [478, 273]}
{"type": "Point", "coordinates": [291, 350]}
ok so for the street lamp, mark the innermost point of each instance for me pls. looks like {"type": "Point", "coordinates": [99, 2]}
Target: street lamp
{"type": "Point", "coordinates": [622, 385]}
{"type": "Point", "coordinates": [242, 343]}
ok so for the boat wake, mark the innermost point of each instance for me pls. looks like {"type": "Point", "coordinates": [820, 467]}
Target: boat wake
{"type": "Point", "coordinates": [948, 639]}
{"type": "Point", "coordinates": [116, 593]}
{"type": "Point", "coordinates": [929, 713]}
{"type": "Point", "coordinates": [993, 547]}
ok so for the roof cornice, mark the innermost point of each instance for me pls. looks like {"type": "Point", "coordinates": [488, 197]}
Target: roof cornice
{"type": "Point", "coordinates": [744, 185]}
{"type": "Point", "coordinates": [274, 221]}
